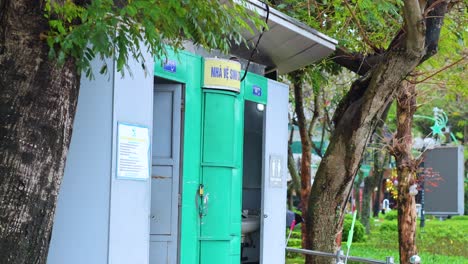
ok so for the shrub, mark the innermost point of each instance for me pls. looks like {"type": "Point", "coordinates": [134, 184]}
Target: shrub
{"type": "Point", "coordinates": [392, 215]}
{"type": "Point", "coordinates": [294, 243]}
{"type": "Point", "coordinates": [459, 217]}
{"type": "Point", "coordinates": [359, 230]}
{"type": "Point", "coordinates": [296, 233]}
{"type": "Point", "coordinates": [389, 227]}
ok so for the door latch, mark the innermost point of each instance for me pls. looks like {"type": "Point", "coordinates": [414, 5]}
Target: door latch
{"type": "Point", "coordinates": [202, 201]}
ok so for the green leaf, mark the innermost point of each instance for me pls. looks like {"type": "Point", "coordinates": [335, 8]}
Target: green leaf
{"type": "Point", "coordinates": [87, 31]}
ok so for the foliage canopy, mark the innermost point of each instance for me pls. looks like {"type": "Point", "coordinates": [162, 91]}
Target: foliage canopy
{"type": "Point", "coordinates": [121, 29]}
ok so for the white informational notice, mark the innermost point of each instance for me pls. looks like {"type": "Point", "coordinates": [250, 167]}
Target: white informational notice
{"type": "Point", "coordinates": [133, 146]}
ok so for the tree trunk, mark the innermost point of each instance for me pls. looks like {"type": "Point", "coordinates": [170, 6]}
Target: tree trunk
{"type": "Point", "coordinates": [37, 106]}
{"type": "Point", "coordinates": [378, 183]}
{"type": "Point", "coordinates": [406, 167]}
{"type": "Point", "coordinates": [306, 150]}
{"type": "Point", "coordinates": [295, 185]}
{"type": "Point", "coordinates": [357, 116]}
{"type": "Point", "coordinates": [340, 164]}
{"type": "Point", "coordinates": [366, 201]}
{"type": "Point", "coordinates": [356, 189]}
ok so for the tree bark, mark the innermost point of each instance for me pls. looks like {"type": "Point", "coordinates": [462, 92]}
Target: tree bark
{"type": "Point", "coordinates": [371, 183]}
{"type": "Point", "coordinates": [295, 185]}
{"type": "Point", "coordinates": [355, 189]}
{"type": "Point", "coordinates": [406, 168]}
{"type": "Point", "coordinates": [355, 120]}
{"type": "Point", "coordinates": [361, 64]}
{"type": "Point", "coordinates": [366, 201]}
{"type": "Point", "coordinates": [306, 159]}
{"type": "Point", "coordinates": [378, 181]}
{"type": "Point", "coordinates": [340, 164]}
{"type": "Point", "coordinates": [37, 106]}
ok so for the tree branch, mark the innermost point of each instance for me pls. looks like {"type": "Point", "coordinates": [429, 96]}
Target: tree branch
{"type": "Point", "coordinates": [434, 15]}
{"type": "Point", "coordinates": [414, 26]}
{"type": "Point", "coordinates": [411, 38]}
{"type": "Point", "coordinates": [291, 134]}
{"type": "Point", "coordinates": [356, 91]}
{"type": "Point", "coordinates": [431, 7]}
{"type": "Point", "coordinates": [296, 179]}
{"type": "Point", "coordinates": [296, 182]}
{"type": "Point", "coordinates": [434, 21]}
{"type": "Point", "coordinates": [439, 71]}
{"type": "Point", "coordinates": [356, 62]}
{"type": "Point", "coordinates": [322, 141]}
{"type": "Point", "coordinates": [315, 116]}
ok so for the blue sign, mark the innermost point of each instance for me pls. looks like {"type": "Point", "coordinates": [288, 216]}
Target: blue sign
{"type": "Point", "coordinates": [256, 90]}
{"type": "Point", "coordinates": [170, 66]}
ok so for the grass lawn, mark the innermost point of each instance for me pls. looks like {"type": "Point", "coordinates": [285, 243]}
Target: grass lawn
{"type": "Point", "coordinates": [442, 242]}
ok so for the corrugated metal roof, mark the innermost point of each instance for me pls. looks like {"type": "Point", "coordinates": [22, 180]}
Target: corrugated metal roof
{"type": "Point", "coordinates": [287, 45]}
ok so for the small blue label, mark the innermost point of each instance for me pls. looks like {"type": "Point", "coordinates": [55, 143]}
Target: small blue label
{"type": "Point", "coordinates": [170, 66]}
{"type": "Point", "coordinates": [256, 90]}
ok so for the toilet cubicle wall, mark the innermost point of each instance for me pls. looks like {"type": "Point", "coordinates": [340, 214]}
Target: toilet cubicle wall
{"type": "Point", "coordinates": [99, 218]}
{"type": "Point", "coordinates": [186, 68]}
{"type": "Point", "coordinates": [102, 219]}
{"type": "Point", "coordinates": [273, 226]}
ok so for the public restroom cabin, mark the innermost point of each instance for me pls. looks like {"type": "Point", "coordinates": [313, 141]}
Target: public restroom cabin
{"type": "Point", "coordinates": [185, 166]}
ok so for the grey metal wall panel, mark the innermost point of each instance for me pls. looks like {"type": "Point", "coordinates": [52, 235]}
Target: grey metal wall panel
{"type": "Point", "coordinates": [274, 196]}
{"type": "Point", "coordinates": [80, 231]}
{"type": "Point", "coordinates": [165, 173]}
{"type": "Point", "coordinates": [161, 200]}
{"type": "Point", "coordinates": [130, 199]}
{"type": "Point", "coordinates": [159, 251]}
{"type": "Point", "coordinates": [447, 196]}
{"type": "Point", "coordinates": [163, 103]}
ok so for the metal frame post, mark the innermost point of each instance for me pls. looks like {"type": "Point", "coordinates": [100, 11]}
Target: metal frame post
{"type": "Point", "coordinates": [339, 253]}
{"type": "Point", "coordinates": [423, 214]}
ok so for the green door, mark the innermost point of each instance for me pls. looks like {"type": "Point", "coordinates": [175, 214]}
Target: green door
{"type": "Point", "coordinates": [221, 178]}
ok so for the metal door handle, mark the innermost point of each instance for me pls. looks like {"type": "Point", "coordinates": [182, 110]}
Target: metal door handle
{"type": "Point", "coordinates": [203, 206]}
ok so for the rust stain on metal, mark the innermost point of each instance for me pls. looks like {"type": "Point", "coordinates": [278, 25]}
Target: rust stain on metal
{"type": "Point", "coordinates": [159, 177]}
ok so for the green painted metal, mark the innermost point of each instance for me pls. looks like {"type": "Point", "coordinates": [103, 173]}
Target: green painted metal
{"type": "Point", "coordinates": [221, 177]}
{"type": "Point", "coordinates": [189, 243]}
{"type": "Point", "coordinates": [255, 88]}
{"type": "Point", "coordinates": [212, 155]}
{"type": "Point", "coordinates": [176, 66]}
{"type": "Point", "coordinates": [189, 226]}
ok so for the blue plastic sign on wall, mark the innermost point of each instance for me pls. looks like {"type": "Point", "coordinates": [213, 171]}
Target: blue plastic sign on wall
{"type": "Point", "coordinates": [257, 90]}
{"type": "Point", "coordinates": [170, 66]}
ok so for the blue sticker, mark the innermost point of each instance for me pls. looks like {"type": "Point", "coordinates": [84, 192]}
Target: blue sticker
{"type": "Point", "coordinates": [256, 90]}
{"type": "Point", "coordinates": [170, 66]}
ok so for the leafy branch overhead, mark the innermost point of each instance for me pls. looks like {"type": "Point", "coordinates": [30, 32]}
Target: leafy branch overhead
{"type": "Point", "coordinates": [366, 30]}
{"type": "Point", "coordinates": [101, 27]}
{"type": "Point", "coordinates": [384, 43]}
